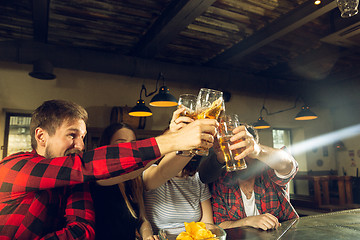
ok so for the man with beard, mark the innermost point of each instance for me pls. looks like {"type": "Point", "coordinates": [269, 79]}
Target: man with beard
{"type": "Point", "coordinates": [257, 196]}
{"type": "Point", "coordinates": [40, 192]}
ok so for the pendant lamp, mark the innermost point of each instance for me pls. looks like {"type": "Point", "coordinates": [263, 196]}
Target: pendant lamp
{"type": "Point", "coordinates": [306, 114]}
{"type": "Point", "coordinates": [42, 69]}
{"type": "Point", "coordinates": [261, 123]}
{"type": "Point", "coordinates": [163, 98]}
{"type": "Point", "coordinates": [140, 109]}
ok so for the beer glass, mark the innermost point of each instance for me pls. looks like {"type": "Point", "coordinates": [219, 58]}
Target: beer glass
{"type": "Point", "coordinates": [209, 104]}
{"type": "Point", "coordinates": [227, 124]}
{"type": "Point", "coordinates": [187, 101]}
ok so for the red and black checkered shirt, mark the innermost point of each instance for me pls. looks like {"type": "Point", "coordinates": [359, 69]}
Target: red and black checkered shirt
{"type": "Point", "coordinates": [271, 196]}
{"type": "Point", "coordinates": [42, 198]}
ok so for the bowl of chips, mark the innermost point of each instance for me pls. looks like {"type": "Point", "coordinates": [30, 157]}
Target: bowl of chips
{"type": "Point", "coordinates": [193, 231]}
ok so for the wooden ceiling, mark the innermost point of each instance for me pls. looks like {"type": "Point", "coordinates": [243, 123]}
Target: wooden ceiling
{"type": "Point", "coordinates": [267, 47]}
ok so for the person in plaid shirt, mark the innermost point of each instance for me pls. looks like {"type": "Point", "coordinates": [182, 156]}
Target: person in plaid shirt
{"type": "Point", "coordinates": [40, 192]}
{"type": "Point", "coordinates": [257, 196]}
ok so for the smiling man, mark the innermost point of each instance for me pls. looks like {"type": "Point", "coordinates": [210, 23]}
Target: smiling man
{"type": "Point", "coordinates": [40, 194]}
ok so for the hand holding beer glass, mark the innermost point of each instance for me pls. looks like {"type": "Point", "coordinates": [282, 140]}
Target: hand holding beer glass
{"type": "Point", "coordinates": [210, 104]}
{"type": "Point", "coordinates": [227, 124]}
{"type": "Point", "coordinates": [187, 101]}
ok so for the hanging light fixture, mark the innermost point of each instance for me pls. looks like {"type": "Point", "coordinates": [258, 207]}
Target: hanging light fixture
{"type": "Point", "coordinates": [306, 114]}
{"type": "Point", "coordinates": [261, 123]}
{"type": "Point", "coordinates": [140, 110]}
{"type": "Point", "coordinates": [42, 69]}
{"type": "Point", "coordinates": [163, 98]}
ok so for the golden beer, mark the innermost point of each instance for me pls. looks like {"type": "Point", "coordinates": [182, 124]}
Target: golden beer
{"type": "Point", "coordinates": [229, 155]}
{"type": "Point", "coordinates": [213, 112]}
{"type": "Point", "coordinates": [187, 101]}
{"type": "Point", "coordinates": [188, 113]}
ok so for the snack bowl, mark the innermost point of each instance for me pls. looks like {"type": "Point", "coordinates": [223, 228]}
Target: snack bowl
{"type": "Point", "coordinates": [172, 233]}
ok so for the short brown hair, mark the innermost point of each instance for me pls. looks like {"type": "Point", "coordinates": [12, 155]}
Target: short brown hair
{"type": "Point", "coordinates": [51, 114]}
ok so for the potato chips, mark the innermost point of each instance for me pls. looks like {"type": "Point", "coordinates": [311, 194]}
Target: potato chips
{"type": "Point", "coordinates": [195, 231]}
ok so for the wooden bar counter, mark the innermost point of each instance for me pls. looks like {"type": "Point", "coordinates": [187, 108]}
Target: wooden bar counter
{"type": "Point", "coordinates": [342, 225]}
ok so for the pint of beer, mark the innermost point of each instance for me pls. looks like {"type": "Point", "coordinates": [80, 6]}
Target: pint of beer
{"type": "Point", "coordinates": [227, 124]}
{"type": "Point", "coordinates": [209, 104]}
{"type": "Point", "coordinates": [187, 101]}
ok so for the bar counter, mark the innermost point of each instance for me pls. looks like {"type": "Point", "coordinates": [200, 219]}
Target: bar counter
{"type": "Point", "coordinates": [336, 225]}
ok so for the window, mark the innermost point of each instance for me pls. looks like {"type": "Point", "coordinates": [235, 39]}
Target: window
{"type": "Point", "coordinates": [17, 133]}
{"type": "Point", "coordinates": [281, 137]}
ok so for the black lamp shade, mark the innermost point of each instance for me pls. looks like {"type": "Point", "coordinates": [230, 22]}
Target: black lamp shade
{"type": "Point", "coordinates": [261, 124]}
{"type": "Point", "coordinates": [306, 114]}
{"type": "Point", "coordinates": [42, 69]}
{"type": "Point", "coordinates": [163, 99]}
{"type": "Point", "coordinates": [140, 110]}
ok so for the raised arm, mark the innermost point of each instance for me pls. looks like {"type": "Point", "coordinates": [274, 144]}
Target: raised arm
{"type": "Point", "coordinates": [31, 172]}
{"type": "Point", "coordinates": [168, 168]}
{"type": "Point", "coordinates": [277, 159]}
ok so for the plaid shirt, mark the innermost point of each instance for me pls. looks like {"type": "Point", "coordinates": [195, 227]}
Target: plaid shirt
{"type": "Point", "coordinates": [271, 196]}
{"type": "Point", "coordinates": [39, 198]}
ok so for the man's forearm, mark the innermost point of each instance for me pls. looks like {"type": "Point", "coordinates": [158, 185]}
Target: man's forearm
{"type": "Point", "coordinates": [233, 224]}
{"type": "Point", "coordinates": [276, 159]}
{"type": "Point", "coordinates": [199, 133]}
{"type": "Point", "coordinates": [165, 143]}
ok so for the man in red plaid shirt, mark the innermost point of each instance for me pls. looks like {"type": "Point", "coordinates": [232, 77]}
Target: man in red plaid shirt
{"type": "Point", "coordinates": [257, 196]}
{"type": "Point", "coordinates": [40, 192]}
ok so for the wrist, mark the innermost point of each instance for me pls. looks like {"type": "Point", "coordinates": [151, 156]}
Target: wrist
{"type": "Point", "coordinates": [165, 143]}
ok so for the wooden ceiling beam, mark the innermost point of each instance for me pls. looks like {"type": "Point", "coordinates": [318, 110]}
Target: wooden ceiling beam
{"type": "Point", "coordinates": [283, 25]}
{"type": "Point", "coordinates": [25, 52]}
{"type": "Point", "coordinates": [41, 19]}
{"type": "Point", "coordinates": [178, 15]}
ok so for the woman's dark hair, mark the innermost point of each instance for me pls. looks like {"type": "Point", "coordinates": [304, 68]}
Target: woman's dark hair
{"type": "Point", "coordinates": [110, 130]}
{"type": "Point", "coordinates": [191, 167]}
{"type": "Point", "coordinates": [135, 185]}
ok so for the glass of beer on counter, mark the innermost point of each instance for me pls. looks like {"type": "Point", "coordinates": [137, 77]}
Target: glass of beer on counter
{"type": "Point", "coordinates": [227, 124]}
{"type": "Point", "coordinates": [187, 101]}
{"type": "Point", "coordinates": [209, 104]}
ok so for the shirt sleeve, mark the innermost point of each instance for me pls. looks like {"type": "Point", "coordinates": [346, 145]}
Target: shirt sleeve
{"type": "Point", "coordinates": [292, 172]}
{"type": "Point", "coordinates": [210, 169]}
{"type": "Point", "coordinates": [218, 204]}
{"type": "Point", "coordinates": [79, 216]}
{"type": "Point", "coordinates": [31, 172]}
{"type": "Point", "coordinates": [282, 180]}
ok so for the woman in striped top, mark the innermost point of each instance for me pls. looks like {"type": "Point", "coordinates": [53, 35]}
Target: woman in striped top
{"type": "Point", "coordinates": [174, 193]}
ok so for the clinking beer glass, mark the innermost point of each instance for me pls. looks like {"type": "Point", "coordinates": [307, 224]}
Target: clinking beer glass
{"type": "Point", "coordinates": [187, 101]}
{"type": "Point", "coordinates": [227, 124]}
{"type": "Point", "coordinates": [209, 104]}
